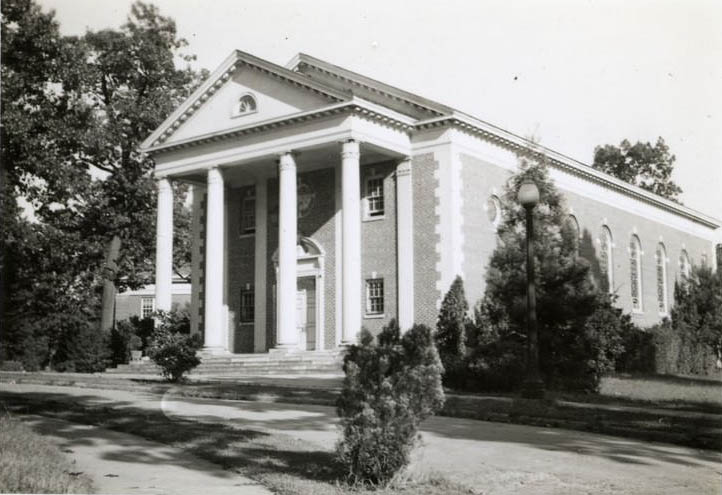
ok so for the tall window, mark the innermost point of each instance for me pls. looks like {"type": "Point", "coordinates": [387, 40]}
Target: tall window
{"type": "Point", "coordinates": [248, 212]}
{"type": "Point", "coordinates": [684, 264]}
{"type": "Point", "coordinates": [147, 306]}
{"type": "Point", "coordinates": [374, 296]}
{"type": "Point", "coordinates": [573, 225]}
{"type": "Point", "coordinates": [661, 258]}
{"type": "Point", "coordinates": [375, 197]}
{"type": "Point", "coordinates": [635, 271]}
{"type": "Point", "coordinates": [248, 301]}
{"type": "Point", "coordinates": [606, 261]}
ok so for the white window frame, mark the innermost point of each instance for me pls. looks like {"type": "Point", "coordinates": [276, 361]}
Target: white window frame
{"type": "Point", "coordinates": [368, 214]}
{"type": "Point", "coordinates": [248, 197]}
{"type": "Point", "coordinates": [143, 300]}
{"type": "Point", "coordinates": [236, 112]}
{"type": "Point", "coordinates": [638, 259]}
{"type": "Point", "coordinates": [370, 312]}
{"type": "Point", "coordinates": [607, 237]}
{"type": "Point", "coordinates": [496, 206]}
{"type": "Point", "coordinates": [661, 262]}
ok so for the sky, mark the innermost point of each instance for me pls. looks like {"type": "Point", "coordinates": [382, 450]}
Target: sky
{"type": "Point", "coordinates": [573, 73]}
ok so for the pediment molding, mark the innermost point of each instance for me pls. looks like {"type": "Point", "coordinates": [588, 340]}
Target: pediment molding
{"type": "Point", "coordinates": [221, 76]}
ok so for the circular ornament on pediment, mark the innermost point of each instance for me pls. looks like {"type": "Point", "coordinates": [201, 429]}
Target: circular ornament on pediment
{"type": "Point", "coordinates": [305, 196]}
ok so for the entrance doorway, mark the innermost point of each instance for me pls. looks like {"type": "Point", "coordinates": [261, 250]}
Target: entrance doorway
{"type": "Point", "coordinates": [306, 312]}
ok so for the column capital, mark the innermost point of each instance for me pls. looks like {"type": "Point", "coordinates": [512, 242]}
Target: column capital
{"type": "Point", "coordinates": [287, 160]}
{"type": "Point", "coordinates": [163, 182]}
{"type": "Point", "coordinates": [215, 175]}
{"type": "Point", "coordinates": [403, 167]}
{"type": "Point", "coordinates": [350, 148]}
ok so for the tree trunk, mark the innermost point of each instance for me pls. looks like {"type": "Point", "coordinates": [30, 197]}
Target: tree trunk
{"type": "Point", "coordinates": [109, 271]}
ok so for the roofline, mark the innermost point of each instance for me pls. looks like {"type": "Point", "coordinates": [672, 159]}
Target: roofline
{"type": "Point", "coordinates": [518, 144]}
{"type": "Point", "coordinates": [369, 83]}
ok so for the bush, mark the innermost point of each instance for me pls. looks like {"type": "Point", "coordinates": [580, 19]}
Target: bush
{"type": "Point", "coordinates": [11, 366]}
{"type": "Point", "coordinates": [390, 387]}
{"type": "Point", "coordinates": [124, 331]}
{"type": "Point", "coordinates": [450, 336]}
{"type": "Point", "coordinates": [173, 351]}
{"type": "Point", "coordinates": [82, 348]}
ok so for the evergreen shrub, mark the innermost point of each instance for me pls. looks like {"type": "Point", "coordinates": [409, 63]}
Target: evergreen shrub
{"type": "Point", "coordinates": [173, 351]}
{"type": "Point", "coordinates": [450, 335]}
{"type": "Point", "coordinates": [391, 385]}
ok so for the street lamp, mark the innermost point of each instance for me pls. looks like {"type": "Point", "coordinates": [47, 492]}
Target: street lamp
{"type": "Point", "coordinates": [533, 388]}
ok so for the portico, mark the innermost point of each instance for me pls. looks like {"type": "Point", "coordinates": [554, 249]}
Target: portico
{"type": "Point", "coordinates": [305, 288]}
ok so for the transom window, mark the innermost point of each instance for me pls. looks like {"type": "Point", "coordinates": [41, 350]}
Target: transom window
{"type": "Point", "coordinates": [606, 262]}
{"type": "Point", "coordinates": [248, 212]}
{"type": "Point", "coordinates": [246, 104]}
{"type": "Point", "coordinates": [147, 307]}
{"type": "Point", "coordinates": [635, 267]}
{"type": "Point", "coordinates": [661, 257]}
{"type": "Point", "coordinates": [375, 296]}
{"type": "Point", "coordinates": [375, 196]}
{"type": "Point", "coordinates": [248, 300]}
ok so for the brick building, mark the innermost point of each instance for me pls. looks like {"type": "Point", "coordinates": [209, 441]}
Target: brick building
{"type": "Point", "coordinates": [325, 201]}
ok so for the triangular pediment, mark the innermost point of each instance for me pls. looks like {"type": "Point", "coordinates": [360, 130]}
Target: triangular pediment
{"type": "Point", "coordinates": [244, 90]}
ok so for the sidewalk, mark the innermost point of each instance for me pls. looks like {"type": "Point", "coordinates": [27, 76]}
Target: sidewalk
{"type": "Point", "coordinates": [490, 458]}
{"type": "Point", "coordinates": [121, 463]}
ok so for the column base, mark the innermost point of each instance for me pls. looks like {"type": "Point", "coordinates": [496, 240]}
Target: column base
{"type": "Point", "coordinates": [285, 349]}
{"type": "Point", "coordinates": [212, 351]}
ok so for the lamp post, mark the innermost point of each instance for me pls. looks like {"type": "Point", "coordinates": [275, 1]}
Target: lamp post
{"type": "Point", "coordinates": [533, 388]}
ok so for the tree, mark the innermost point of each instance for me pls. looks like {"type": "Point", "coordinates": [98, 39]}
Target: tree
{"type": "Point", "coordinates": [697, 317]}
{"type": "Point", "coordinates": [450, 335]}
{"type": "Point", "coordinates": [570, 340]}
{"type": "Point", "coordinates": [649, 167]}
{"type": "Point", "coordinates": [74, 112]}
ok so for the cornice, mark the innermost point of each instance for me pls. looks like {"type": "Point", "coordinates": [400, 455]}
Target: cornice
{"type": "Point", "coordinates": [517, 144]}
{"type": "Point", "coordinates": [355, 106]}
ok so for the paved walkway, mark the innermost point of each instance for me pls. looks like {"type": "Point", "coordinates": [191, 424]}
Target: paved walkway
{"type": "Point", "coordinates": [120, 463]}
{"type": "Point", "coordinates": [491, 458]}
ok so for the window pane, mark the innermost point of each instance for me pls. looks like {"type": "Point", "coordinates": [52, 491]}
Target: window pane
{"type": "Point", "coordinates": [375, 296]}
{"type": "Point", "coordinates": [247, 306]}
{"type": "Point", "coordinates": [146, 307]}
{"type": "Point", "coordinates": [375, 196]}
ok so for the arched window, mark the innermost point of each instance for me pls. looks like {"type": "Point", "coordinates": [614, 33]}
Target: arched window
{"type": "Point", "coordinates": [246, 104]}
{"type": "Point", "coordinates": [493, 210]}
{"type": "Point", "coordinates": [635, 272]}
{"type": "Point", "coordinates": [573, 224]}
{"type": "Point", "coordinates": [661, 258]}
{"type": "Point", "coordinates": [684, 265]}
{"type": "Point", "coordinates": [606, 261]}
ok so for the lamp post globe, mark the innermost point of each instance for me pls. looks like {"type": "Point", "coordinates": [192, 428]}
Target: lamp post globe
{"type": "Point", "coordinates": [528, 195]}
{"type": "Point", "coordinates": [533, 388]}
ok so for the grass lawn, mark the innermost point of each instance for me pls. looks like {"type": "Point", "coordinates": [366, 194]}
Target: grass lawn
{"type": "Point", "coordinates": [691, 393]}
{"type": "Point", "coordinates": [283, 464]}
{"type": "Point", "coordinates": [31, 464]}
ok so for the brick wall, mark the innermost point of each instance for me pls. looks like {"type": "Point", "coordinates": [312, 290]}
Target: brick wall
{"type": "Point", "coordinates": [241, 254]}
{"type": "Point", "coordinates": [425, 239]}
{"type": "Point", "coordinates": [481, 180]}
{"type": "Point", "coordinates": [378, 248]}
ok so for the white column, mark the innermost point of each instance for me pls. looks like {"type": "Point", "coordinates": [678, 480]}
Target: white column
{"type": "Point", "coordinates": [164, 246]}
{"type": "Point", "coordinates": [405, 244]}
{"type": "Point", "coordinates": [351, 242]}
{"type": "Point", "coordinates": [287, 333]}
{"type": "Point", "coordinates": [261, 265]}
{"type": "Point", "coordinates": [214, 341]}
